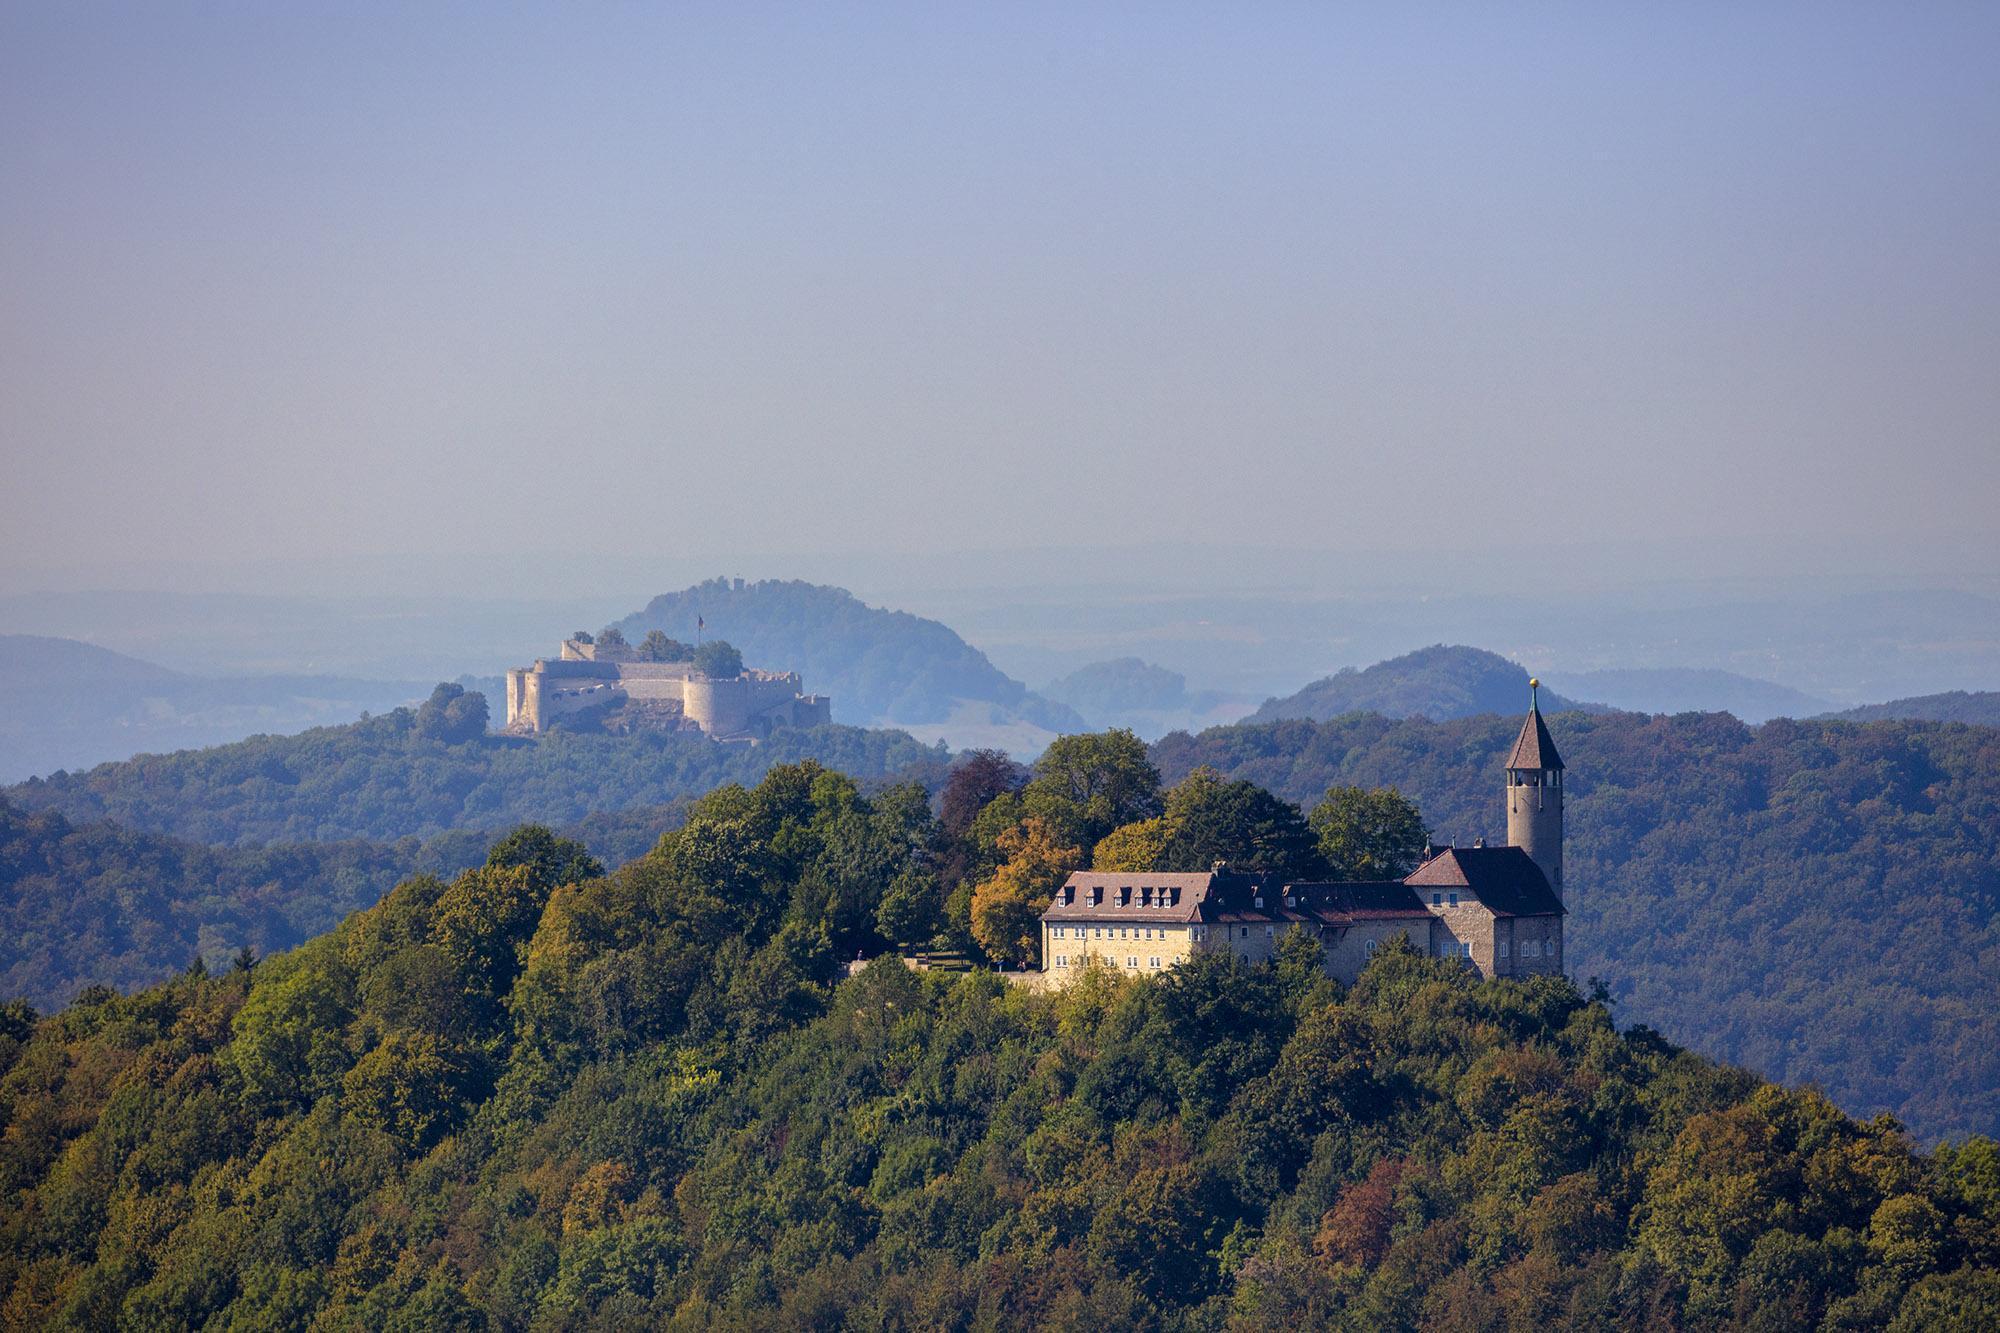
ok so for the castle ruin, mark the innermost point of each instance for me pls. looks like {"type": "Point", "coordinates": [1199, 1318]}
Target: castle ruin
{"type": "Point", "coordinates": [661, 695]}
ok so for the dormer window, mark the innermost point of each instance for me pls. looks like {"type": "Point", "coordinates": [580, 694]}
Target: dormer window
{"type": "Point", "coordinates": [1259, 902]}
{"type": "Point", "coordinates": [1291, 901]}
{"type": "Point", "coordinates": [1069, 894]}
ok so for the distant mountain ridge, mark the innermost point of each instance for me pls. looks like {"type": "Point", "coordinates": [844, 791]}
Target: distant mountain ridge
{"type": "Point", "coordinates": [1441, 682]}
{"type": "Point", "coordinates": [92, 705]}
{"type": "Point", "coordinates": [1691, 690]}
{"type": "Point", "coordinates": [1978, 707]}
{"type": "Point", "coordinates": [881, 667]}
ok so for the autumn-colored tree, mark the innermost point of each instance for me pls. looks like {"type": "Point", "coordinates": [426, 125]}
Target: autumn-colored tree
{"type": "Point", "coordinates": [1007, 908]}
{"type": "Point", "coordinates": [977, 777]}
{"type": "Point", "coordinates": [1133, 847]}
{"type": "Point", "coordinates": [1356, 1229]}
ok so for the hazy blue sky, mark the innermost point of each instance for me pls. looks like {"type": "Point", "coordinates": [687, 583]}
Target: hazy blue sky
{"type": "Point", "coordinates": [294, 283]}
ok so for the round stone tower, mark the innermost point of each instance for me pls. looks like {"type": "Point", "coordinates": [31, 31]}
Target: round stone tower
{"type": "Point", "coordinates": [1535, 793]}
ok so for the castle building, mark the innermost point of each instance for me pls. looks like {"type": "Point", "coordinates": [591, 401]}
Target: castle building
{"type": "Point", "coordinates": [1498, 909]}
{"type": "Point", "coordinates": [658, 695]}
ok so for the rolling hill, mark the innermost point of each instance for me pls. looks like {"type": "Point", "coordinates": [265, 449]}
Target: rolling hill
{"type": "Point", "coordinates": [1980, 708]}
{"type": "Point", "coordinates": [1689, 690]}
{"type": "Point", "coordinates": [395, 776]}
{"type": "Point", "coordinates": [1135, 694]}
{"type": "Point", "coordinates": [1439, 682]}
{"type": "Point", "coordinates": [883, 668]}
{"type": "Point", "coordinates": [85, 705]}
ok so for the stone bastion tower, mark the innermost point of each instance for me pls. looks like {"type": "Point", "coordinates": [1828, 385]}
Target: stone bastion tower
{"type": "Point", "coordinates": [1535, 793]}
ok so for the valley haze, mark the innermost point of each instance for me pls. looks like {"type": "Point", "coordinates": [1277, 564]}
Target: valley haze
{"type": "Point", "coordinates": [902, 666]}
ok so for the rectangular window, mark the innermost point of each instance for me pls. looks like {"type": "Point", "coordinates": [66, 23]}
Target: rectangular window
{"type": "Point", "coordinates": [1156, 962]}
{"type": "Point", "coordinates": [1269, 931]}
{"type": "Point", "coordinates": [1454, 899]}
{"type": "Point", "coordinates": [1132, 963]}
{"type": "Point", "coordinates": [1437, 900]}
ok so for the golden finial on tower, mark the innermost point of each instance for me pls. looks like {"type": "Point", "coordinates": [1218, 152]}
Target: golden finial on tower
{"type": "Point", "coordinates": [1534, 691]}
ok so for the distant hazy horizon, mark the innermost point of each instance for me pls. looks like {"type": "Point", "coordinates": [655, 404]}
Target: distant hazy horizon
{"type": "Point", "coordinates": [370, 299]}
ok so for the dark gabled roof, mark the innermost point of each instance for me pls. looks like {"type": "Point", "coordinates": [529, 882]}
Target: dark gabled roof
{"type": "Point", "coordinates": [1535, 748]}
{"type": "Point", "coordinates": [1360, 898]}
{"type": "Point", "coordinates": [1506, 880]}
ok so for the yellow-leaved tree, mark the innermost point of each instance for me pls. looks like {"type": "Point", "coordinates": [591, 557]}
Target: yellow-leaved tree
{"type": "Point", "coordinates": [1007, 908]}
{"type": "Point", "coordinates": [1136, 847]}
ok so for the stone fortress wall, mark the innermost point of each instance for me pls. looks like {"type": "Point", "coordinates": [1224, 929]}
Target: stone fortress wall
{"type": "Point", "coordinates": [580, 680]}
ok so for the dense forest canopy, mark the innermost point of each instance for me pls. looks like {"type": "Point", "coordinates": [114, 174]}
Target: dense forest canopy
{"type": "Point", "coordinates": [1817, 900]}
{"type": "Point", "coordinates": [429, 770]}
{"type": "Point", "coordinates": [1813, 899]}
{"type": "Point", "coordinates": [537, 1096]}
{"type": "Point", "coordinates": [98, 904]}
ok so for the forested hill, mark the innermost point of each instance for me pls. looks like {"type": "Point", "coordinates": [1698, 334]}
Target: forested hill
{"type": "Point", "coordinates": [1981, 708]}
{"type": "Point", "coordinates": [535, 1096]}
{"type": "Point", "coordinates": [97, 904]}
{"type": "Point", "coordinates": [425, 771]}
{"type": "Point", "coordinates": [1442, 681]}
{"type": "Point", "coordinates": [1817, 900]}
{"type": "Point", "coordinates": [880, 666]}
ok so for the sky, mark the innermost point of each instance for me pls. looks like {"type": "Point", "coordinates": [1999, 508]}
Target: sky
{"type": "Point", "coordinates": [355, 292]}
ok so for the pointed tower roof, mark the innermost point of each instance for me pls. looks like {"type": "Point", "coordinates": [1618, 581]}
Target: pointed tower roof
{"type": "Point", "coordinates": [1534, 748]}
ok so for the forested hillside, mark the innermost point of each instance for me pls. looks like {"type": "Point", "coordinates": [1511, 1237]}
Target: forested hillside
{"type": "Point", "coordinates": [1979, 707]}
{"type": "Point", "coordinates": [97, 904]}
{"type": "Point", "coordinates": [880, 666]}
{"type": "Point", "coordinates": [421, 772]}
{"type": "Point", "coordinates": [536, 1096]}
{"type": "Point", "coordinates": [1442, 681]}
{"type": "Point", "coordinates": [1817, 900]}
